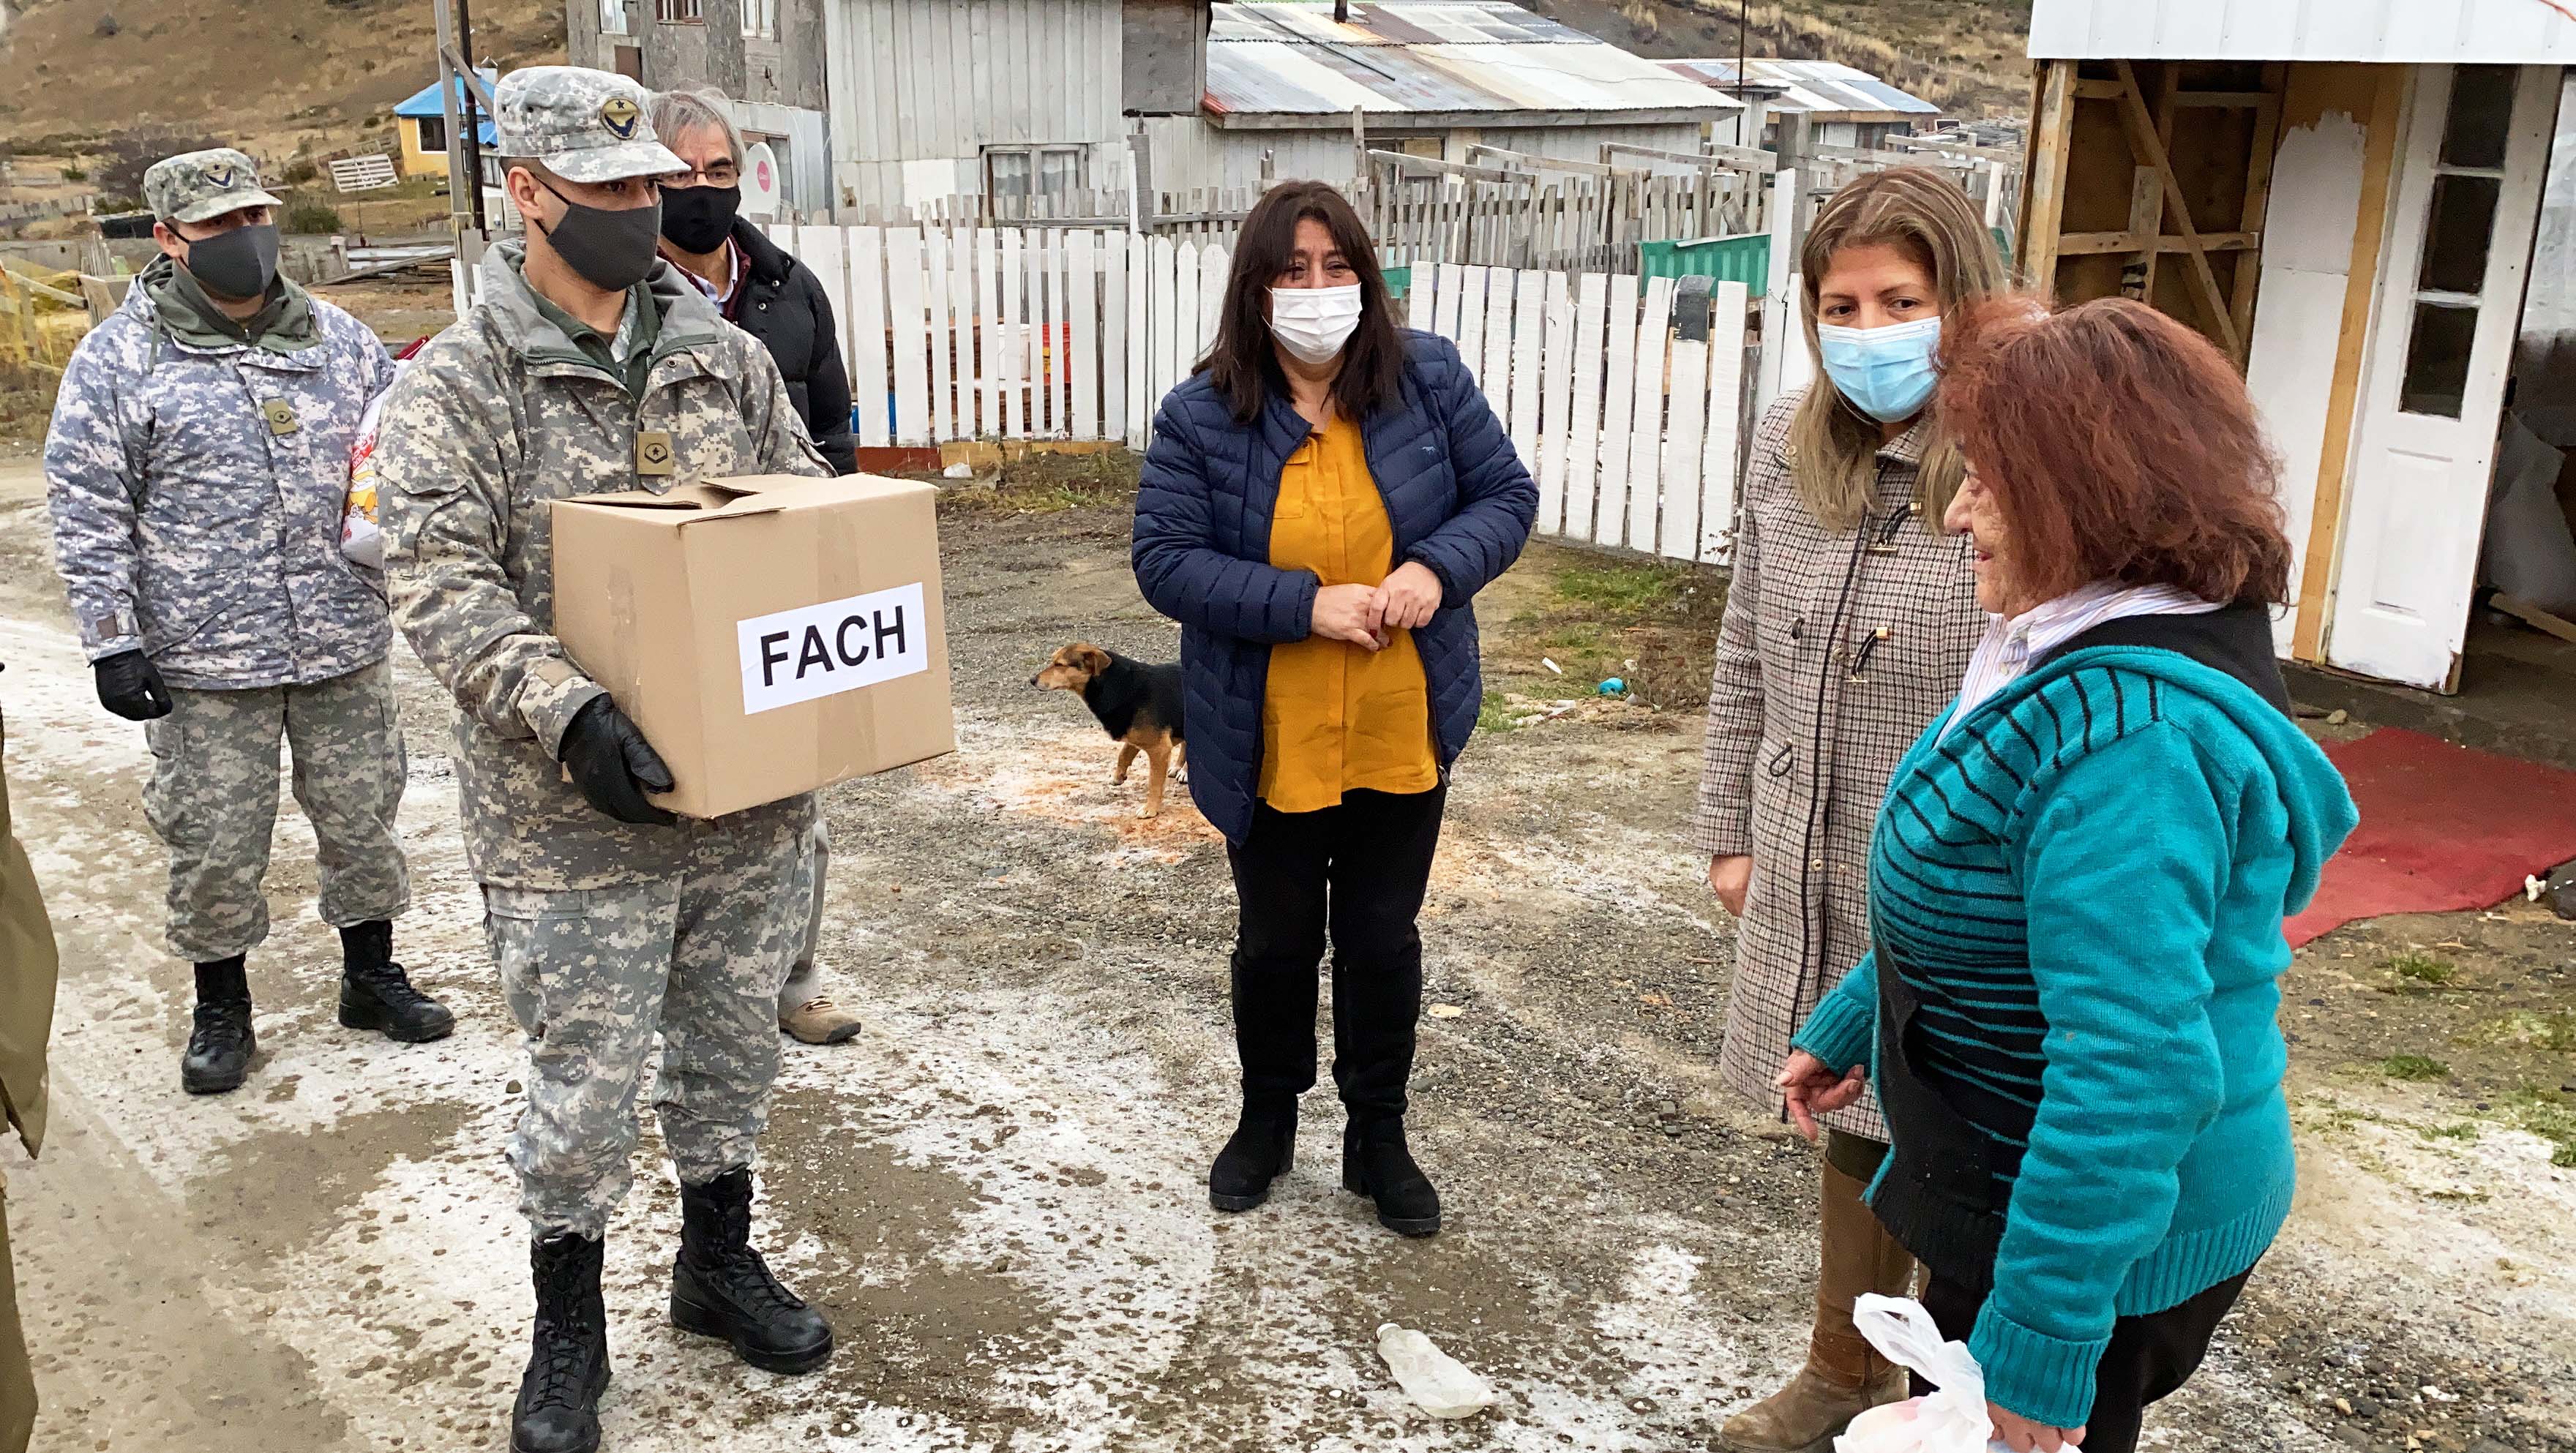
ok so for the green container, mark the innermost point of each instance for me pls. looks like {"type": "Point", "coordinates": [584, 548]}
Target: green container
{"type": "Point", "coordinates": [1399, 281]}
{"type": "Point", "coordinates": [1745, 259]}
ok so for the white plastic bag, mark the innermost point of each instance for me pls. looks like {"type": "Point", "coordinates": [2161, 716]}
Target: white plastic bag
{"type": "Point", "coordinates": [360, 539]}
{"type": "Point", "coordinates": [1438, 1383]}
{"type": "Point", "coordinates": [1953, 1419]}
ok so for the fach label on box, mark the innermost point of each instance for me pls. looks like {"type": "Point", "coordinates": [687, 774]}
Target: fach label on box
{"type": "Point", "coordinates": [840, 645]}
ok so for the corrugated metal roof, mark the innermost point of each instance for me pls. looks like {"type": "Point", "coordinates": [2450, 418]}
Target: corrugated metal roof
{"type": "Point", "coordinates": [1828, 90]}
{"type": "Point", "coordinates": [2496, 32]}
{"type": "Point", "coordinates": [1448, 58]}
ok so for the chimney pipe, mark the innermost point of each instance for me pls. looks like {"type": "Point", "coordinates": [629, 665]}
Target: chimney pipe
{"type": "Point", "coordinates": [1341, 12]}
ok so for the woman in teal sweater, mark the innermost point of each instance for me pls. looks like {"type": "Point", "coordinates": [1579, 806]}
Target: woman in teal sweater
{"type": "Point", "coordinates": [2078, 880]}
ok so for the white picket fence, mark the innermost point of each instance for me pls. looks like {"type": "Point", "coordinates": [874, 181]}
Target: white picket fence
{"type": "Point", "coordinates": [1633, 434]}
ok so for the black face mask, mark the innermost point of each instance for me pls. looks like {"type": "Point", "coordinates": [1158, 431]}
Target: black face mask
{"type": "Point", "coordinates": [699, 219]}
{"type": "Point", "coordinates": [611, 250]}
{"type": "Point", "coordinates": [238, 264]}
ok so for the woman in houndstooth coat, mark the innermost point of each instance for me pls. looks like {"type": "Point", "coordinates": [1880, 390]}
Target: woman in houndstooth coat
{"type": "Point", "coordinates": [1848, 624]}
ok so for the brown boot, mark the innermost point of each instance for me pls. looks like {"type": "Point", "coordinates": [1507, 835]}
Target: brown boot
{"type": "Point", "coordinates": [1844, 1376]}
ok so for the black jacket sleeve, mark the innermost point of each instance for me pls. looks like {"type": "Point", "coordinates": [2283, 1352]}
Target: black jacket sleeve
{"type": "Point", "coordinates": [827, 379]}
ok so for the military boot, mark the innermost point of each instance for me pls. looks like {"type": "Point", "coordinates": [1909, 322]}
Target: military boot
{"type": "Point", "coordinates": [220, 1041]}
{"type": "Point", "coordinates": [1377, 1164]}
{"type": "Point", "coordinates": [720, 1286]}
{"type": "Point", "coordinates": [558, 1406]}
{"type": "Point", "coordinates": [376, 994]}
{"type": "Point", "coordinates": [1844, 1376]}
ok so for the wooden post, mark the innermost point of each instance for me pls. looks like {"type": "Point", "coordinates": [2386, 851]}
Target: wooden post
{"type": "Point", "coordinates": [2044, 186]}
{"type": "Point", "coordinates": [1359, 145]}
{"type": "Point", "coordinates": [2142, 138]}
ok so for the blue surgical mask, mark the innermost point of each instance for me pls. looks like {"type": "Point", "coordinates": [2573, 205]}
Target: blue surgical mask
{"type": "Point", "coordinates": [1887, 373]}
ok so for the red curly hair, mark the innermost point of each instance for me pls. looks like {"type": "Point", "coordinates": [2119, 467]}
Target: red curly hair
{"type": "Point", "coordinates": [2119, 445]}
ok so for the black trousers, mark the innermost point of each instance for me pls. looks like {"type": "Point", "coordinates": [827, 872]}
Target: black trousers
{"type": "Point", "coordinates": [2149, 1357]}
{"type": "Point", "coordinates": [1355, 872]}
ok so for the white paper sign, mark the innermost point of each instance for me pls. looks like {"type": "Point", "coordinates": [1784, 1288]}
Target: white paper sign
{"type": "Point", "coordinates": [840, 645]}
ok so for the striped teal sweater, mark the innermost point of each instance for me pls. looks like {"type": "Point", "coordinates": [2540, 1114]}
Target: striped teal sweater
{"type": "Point", "coordinates": [2085, 884]}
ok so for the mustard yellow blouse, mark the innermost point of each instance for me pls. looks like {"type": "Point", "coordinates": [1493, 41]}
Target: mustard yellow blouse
{"type": "Point", "coordinates": [1337, 717]}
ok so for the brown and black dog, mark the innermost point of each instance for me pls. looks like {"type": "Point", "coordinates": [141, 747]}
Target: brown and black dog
{"type": "Point", "coordinates": [1138, 704]}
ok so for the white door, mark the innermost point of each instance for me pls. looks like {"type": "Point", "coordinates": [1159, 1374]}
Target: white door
{"type": "Point", "coordinates": [2470, 169]}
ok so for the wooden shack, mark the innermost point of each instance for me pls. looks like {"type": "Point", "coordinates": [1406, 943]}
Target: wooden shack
{"type": "Point", "coordinates": [2344, 198]}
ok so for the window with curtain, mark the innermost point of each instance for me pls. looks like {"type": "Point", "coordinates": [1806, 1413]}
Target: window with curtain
{"type": "Point", "coordinates": [760, 19]}
{"type": "Point", "coordinates": [680, 12]}
{"type": "Point", "coordinates": [612, 17]}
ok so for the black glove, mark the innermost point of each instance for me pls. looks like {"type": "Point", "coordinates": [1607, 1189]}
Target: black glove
{"type": "Point", "coordinates": [128, 686]}
{"type": "Point", "coordinates": [614, 766]}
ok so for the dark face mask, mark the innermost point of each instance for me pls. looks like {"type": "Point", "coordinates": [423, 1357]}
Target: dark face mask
{"type": "Point", "coordinates": [611, 250]}
{"type": "Point", "coordinates": [238, 264]}
{"type": "Point", "coordinates": [699, 219]}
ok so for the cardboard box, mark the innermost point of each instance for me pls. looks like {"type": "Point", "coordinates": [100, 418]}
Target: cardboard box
{"type": "Point", "coordinates": [770, 634]}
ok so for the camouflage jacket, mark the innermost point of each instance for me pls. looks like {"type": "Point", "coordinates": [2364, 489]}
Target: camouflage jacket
{"type": "Point", "coordinates": [495, 420]}
{"type": "Point", "coordinates": [197, 495]}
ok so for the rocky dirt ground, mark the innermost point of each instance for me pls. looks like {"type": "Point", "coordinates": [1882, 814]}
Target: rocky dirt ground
{"type": "Point", "coordinates": [996, 1191]}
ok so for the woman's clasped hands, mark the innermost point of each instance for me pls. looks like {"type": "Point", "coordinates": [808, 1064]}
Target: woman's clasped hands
{"type": "Point", "coordinates": [1369, 615]}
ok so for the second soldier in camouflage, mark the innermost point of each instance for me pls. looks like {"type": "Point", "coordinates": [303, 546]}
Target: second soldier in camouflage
{"type": "Point", "coordinates": [197, 468]}
{"type": "Point", "coordinates": [588, 366]}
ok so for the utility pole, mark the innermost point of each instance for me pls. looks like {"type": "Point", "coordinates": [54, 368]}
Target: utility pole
{"type": "Point", "coordinates": [472, 135]}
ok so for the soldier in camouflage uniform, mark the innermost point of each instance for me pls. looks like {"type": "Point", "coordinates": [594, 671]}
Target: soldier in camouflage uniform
{"type": "Point", "coordinates": [198, 468]}
{"type": "Point", "coordinates": [590, 365]}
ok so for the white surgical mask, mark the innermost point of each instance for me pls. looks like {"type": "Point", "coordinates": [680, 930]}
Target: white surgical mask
{"type": "Point", "coordinates": [1314, 323]}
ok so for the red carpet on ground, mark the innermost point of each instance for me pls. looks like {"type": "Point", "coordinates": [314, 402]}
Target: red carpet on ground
{"type": "Point", "coordinates": [2442, 828]}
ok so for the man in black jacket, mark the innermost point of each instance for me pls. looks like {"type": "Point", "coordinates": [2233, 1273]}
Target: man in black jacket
{"type": "Point", "coordinates": [760, 289]}
{"type": "Point", "coordinates": [779, 301]}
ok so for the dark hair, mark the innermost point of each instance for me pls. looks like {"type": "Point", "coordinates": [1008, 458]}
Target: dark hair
{"type": "Point", "coordinates": [2120, 445]}
{"type": "Point", "coordinates": [1243, 363]}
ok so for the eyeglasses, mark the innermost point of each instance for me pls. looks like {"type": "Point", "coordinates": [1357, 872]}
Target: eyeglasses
{"type": "Point", "coordinates": [720, 174]}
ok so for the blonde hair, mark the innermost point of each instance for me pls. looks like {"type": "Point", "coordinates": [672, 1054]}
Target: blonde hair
{"type": "Point", "coordinates": [1833, 447]}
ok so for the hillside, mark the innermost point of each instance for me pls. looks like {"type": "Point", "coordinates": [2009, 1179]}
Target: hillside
{"type": "Point", "coordinates": [268, 75]}
{"type": "Point", "coordinates": [1967, 55]}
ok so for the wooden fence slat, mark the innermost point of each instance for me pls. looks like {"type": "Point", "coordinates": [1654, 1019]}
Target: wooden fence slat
{"type": "Point", "coordinates": [1686, 432]}
{"type": "Point", "coordinates": [1529, 324]}
{"type": "Point", "coordinates": [1725, 448]}
{"type": "Point", "coordinates": [988, 294]}
{"type": "Point", "coordinates": [1556, 402]}
{"type": "Point", "coordinates": [1453, 291]}
{"type": "Point", "coordinates": [1582, 458]}
{"type": "Point", "coordinates": [961, 307]}
{"type": "Point", "coordinates": [1033, 353]}
{"type": "Point", "coordinates": [1213, 262]}
{"type": "Point", "coordinates": [1471, 323]}
{"type": "Point", "coordinates": [1185, 311]}
{"type": "Point", "coordinates": [1646, 420]}
{"type": "Point", "coordinates": [1619, 405]}
{"type": "Point", "coordinates": [1060, 328]}
{"type": "Point", "coordinates": [1012, 350]}
{"type": "Point", "coordinates": [1082, 271]}
{"type": "Point", "coordinates": [1417, 301]}
{"type": "Point", "coordinates": [826, 250]}
{"type": "Point", "coordinates": [1113, 335]}
{"type": "Point", "coordinates": [1498, 342]}
{"type": "Point", "coordinates": [1165, 315]}
{"type": "Point", "coordinates": [942, 333]}
{"type": "Point", "coordinates": [907, 319]}
{"type": "Point", "coordinates": [868, 335]}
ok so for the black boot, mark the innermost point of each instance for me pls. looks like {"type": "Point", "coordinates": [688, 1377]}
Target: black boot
{"type": "Point", "coordinates": [376, 994]}
{"type": "Point", "coordinates": [221, 1043]}
{"type": "Point", "coordinates": [1261, 1149]}
{"type": "Point", "coordinates": [558, 1406]}
{"type": "Point", "coordinates": [720, 1287]}
{"type": "Point", "coordinates": [1376, 1164]}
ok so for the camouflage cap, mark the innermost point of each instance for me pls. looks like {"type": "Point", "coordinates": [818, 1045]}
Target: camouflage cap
{"type": "Point", "coordinates": [584, 125]}
{"type": "Point", "coordinates": [196, 185]}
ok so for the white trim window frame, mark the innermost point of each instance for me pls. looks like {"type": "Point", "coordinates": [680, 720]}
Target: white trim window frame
{"type": "Point", "coordinates": [760, 19]}
{"type": "Point", "coordinates": [1037, 169]}
{"type": "Point", "coordinates": [612, 17]}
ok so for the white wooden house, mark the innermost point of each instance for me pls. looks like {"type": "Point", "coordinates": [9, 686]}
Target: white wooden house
{"type": "Point", "coordinates": [933, 99]}
{"type": "Point", "coordinates": [2345, 197]}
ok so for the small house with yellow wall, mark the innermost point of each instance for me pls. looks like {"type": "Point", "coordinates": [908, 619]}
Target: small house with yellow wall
{"type": "Point", "coordinates": [422, 121]}
{"type": "Point", "coordinates": [2346, 198]}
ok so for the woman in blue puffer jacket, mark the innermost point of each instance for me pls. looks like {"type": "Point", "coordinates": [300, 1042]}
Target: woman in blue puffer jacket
{"type": "Point", "coordinates": [1323, 498]}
